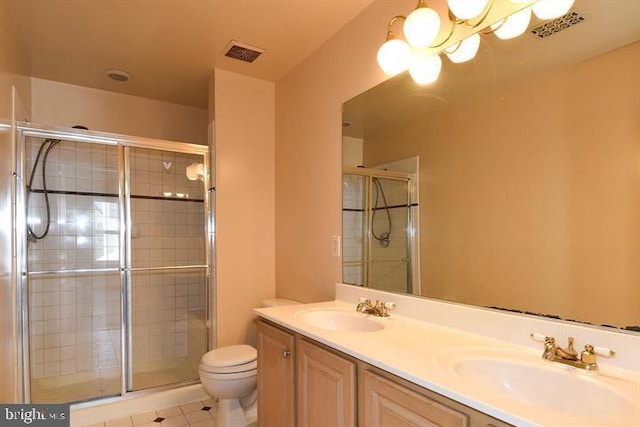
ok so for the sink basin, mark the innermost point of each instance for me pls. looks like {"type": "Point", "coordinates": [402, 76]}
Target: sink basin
{"type": "Point", "coordinates": [553, 387]}
{"type": "Point", "coordinates": [339, 320]}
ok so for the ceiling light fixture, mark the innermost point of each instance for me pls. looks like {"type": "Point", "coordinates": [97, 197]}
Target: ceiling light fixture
{"type": "Point", "coordinates": [512, 26]}
{"type": "Point", "coordinates": [464, 50]}
{"type": "Point", "coordinates": [467, 9]}
{"type": "Point", "coordinates": [423, 26]}
{"type": "Point", "coordinates": [395, 53]}
{"type": "Point", "coordinates": [551, 9]}
{"type": "Point", "coordinates": [425, 68]}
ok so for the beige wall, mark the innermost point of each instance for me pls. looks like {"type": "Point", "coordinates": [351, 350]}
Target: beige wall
{"type": "Point", "coordinates": [14, 68]}
{"type": "Point", "coordinates": [542, 218]}
{"type": "Point", "coordinates": [14, 87]}
{"type": "Point", "coordinates": [245, 192]}
{"type": "Point", "coordinates": [308, 151]}
{"type": "Point", "coordinates": [100, 110]}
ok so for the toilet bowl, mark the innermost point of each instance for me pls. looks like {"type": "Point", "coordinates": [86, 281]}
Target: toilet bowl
{"type": "Point", "coordinates": [230, 374]}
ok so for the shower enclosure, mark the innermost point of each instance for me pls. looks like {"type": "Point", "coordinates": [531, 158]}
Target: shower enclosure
{"type": "Point", "coordinates": [113, 243]}
{"type": "Point", "coordinates": [378, 229]}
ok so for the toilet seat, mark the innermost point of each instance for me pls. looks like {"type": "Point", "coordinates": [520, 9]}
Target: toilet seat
{"type": "Point", "coordinates": [230, 359]}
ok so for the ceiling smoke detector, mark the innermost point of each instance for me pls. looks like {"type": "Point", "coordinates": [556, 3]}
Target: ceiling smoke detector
{"type": "Point", "coordinates": [118, 75]}
{"type": "Point", "coordinates": [242, 51]}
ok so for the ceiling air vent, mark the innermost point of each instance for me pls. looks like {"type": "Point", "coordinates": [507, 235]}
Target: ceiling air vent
{"type": "Point", "coordinates": [241, 51]}
{"type": "Point", "coordinates": [552, 27]}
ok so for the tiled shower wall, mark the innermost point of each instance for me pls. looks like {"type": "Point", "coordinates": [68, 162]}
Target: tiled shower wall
{"type": "Point", "coordinates": [353, 231]}
{"type": "Point", "coordinates": [75, 319]}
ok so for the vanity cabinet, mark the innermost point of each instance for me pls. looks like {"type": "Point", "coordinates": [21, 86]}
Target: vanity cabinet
{"type": "Point", "coordinates": [386, 400]}
{"type": "Point", "coordinates": [276, 375]}
{"type": "Point", "coordinates": [387, 403]}
{"type": "Point", "coordinates": [291, 369]}
{"type": "Point", "coordinates": [306, 384]}
{"type": "Point", "coordinates": [326, 387]}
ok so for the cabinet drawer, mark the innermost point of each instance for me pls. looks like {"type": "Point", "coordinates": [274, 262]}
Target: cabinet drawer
{"type": "Point", "coordinates": [389, 404]}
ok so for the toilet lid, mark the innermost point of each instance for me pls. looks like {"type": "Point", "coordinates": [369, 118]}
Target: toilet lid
{"type": "Point", "coordinates": [231, 355]}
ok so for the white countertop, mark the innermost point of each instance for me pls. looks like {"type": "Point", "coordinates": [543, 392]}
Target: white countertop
{"type": "Point", "coordinates": [425, 353]}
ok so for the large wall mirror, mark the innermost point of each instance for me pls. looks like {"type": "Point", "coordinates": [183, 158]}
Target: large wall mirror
{"type": "Point", "coordinates": [513, 182]}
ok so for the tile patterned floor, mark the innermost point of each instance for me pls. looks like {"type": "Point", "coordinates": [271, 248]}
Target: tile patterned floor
{"type": "Point", "coordinates": [200, 413]}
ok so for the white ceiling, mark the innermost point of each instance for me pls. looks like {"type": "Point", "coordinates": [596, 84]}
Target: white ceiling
{"type": "Point", "coordinates": [171, 47]}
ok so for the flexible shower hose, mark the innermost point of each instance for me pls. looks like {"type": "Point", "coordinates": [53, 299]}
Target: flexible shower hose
{"type": "Point", "coordinates": [46, 146]}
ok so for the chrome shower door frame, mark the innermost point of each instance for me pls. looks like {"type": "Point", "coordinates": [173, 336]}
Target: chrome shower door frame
{"type": "Point", "coordinates": [125, 268]}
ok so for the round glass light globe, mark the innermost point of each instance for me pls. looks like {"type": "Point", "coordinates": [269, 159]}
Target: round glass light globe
{"type": "Point", "coordinates": [425, 69]}
{"type": "Point", "coordinates": [514, 26]}
{"type": "Point", "coordinates": [551, 9]}
{"type": "Point", "coordinates": [467, 9]}
{"type": "Point", "coordinates": [464, 50]}
{"type": "Point", "coordinates": [394, 56]}
{"type": "Point", "coordinates": [422, 27]}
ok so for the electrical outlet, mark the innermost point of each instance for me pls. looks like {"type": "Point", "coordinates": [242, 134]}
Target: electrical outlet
{"type": "Point", "coordinates": [335, 246]}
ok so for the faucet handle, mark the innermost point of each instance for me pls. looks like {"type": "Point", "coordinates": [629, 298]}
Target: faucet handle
{"type": "Point", "coordinates": [363, 304]}
{"type": "Point", "coordinates": [550, 342]}
{"type": "Point", "coordinates": [537, 336]}
{"type": "Point", "coordinates": [588, 356]}
{"type": "Point", "coordinates": [603, 351]}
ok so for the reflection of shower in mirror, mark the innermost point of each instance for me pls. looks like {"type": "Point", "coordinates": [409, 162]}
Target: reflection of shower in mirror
{"type": "Point", "coordinates": [383, 238]}
{"type": "Point", "coordinates": [380, 246]}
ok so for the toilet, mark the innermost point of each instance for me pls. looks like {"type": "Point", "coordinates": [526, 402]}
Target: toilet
{"type": "Point", "coordinates": [230, 374]}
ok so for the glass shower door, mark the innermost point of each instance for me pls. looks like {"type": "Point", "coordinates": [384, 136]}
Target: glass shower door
{"type": "Point", "coordinates": [113, 248]}
{"type": "Point", "coordinates": [167, 267]}
{"type": "Point", "coordinates": [72, 277]}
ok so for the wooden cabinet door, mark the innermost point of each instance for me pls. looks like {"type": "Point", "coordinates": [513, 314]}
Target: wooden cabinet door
{"type": "Point", "coordinates": [276, 378]}
{"type": "Point", "coordinates": [389, 404]}
{"type": "Point", "coordinates": [326, 387]}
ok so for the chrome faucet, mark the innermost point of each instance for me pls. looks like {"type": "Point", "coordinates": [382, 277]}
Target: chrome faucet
{"type": "Point", "coordinates": [586, 360]}
{"type": "Point", "coordinates": [379, 309]}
